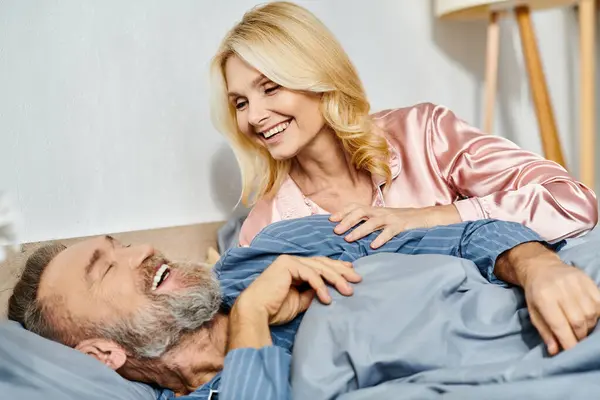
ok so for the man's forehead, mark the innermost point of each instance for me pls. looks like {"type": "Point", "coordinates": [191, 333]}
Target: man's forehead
{"type": "Point", "coordinates": [76, 256]}
{"type": "Point", "coordinates": [82, 248]}
{"type": "Point", "coordinates": [65, 277]}
{"type": "Point", "coordinates": [62, 272]}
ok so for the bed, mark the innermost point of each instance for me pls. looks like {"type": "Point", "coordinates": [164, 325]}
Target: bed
{"type": "Point", "coordinates": [335, 355]}
{"type": "Point", "coordinates": [430, 327]}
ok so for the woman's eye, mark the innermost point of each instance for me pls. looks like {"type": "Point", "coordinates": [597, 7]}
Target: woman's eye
{"type": "Point", "coordinates": [240, 105]}
{"type": "Point", "coordinates": [272, 89]}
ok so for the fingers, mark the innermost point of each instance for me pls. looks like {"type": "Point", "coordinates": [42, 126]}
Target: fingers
{"type": "Point", "coordinates": [589, 308]}
{"type": "Point", "coordinates": [344, 268]}
{"type": "Point", "coordinates": [337, 217]}
{"type": "Point", "coordinates": [318, 270]}
{"type": "Point", "coordinates": [594, 307]}
{"type": "Point", "coordinates": [594, 293]}
{"type": "Point", "coordinates": [385, 236]}
{"type": "Point", "coordinates": [370, 226]}
{"type": "Point", "coordinates": [306, 299]}
{"type": "Point", "coordinates": [351, 219]}
{"type": "Point", "coordinates": [331, 274]}
{"type": "Point", "coordinates": [316, 282]}
{"type": "Point", "coordinates": [572, 309]}
{"type": "Point", "coordinates": [580, 304]}
{"type": "Point", "coordinates": [544, 331]}
{"type": "Point", "coordinates": [564, 305]}
{"type": "Point", "coordinates": [552, 313]}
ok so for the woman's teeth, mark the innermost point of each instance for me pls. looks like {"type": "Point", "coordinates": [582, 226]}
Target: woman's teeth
{"type": "Point", "coordinates": [276, 129]}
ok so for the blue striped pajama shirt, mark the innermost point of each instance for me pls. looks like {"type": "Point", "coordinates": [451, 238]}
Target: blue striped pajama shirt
{"type": "Point", "coordinates": [262, 374]}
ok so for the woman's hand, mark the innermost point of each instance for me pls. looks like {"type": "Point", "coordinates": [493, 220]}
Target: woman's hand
{"type": "Point", "coordinates": [391, 221]}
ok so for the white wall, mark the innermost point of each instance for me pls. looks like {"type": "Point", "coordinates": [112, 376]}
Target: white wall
{"type": "Point", "coordinates": [104, 122]}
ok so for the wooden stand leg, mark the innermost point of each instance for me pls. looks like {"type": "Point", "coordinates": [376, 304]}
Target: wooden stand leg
{"type": "Point", "coordinates": [491, 71]}
{"type": "Point", "coordinates": [539, 89]}
{"type": "Point", "coordinates": [587, 24]}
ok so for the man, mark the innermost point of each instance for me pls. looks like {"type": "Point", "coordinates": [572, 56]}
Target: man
{"type": "Point", "coordinates": [179, 327]}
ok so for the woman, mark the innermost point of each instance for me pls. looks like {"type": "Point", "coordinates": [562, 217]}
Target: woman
{"type": "Point", "coordinates": [293, 107]}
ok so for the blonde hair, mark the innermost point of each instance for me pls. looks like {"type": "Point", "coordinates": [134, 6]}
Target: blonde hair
{"type": "Point", "coordinates": [293, 48]}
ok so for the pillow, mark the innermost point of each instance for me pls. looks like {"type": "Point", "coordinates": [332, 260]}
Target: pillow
{"type": "Point", "coordinates": [212, 256]}
{"type": "Point", "coordinates": [32, 367]}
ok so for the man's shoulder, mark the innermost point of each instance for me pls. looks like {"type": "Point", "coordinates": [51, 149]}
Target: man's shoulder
{"type": "Point", "coordinates": [296, 227]}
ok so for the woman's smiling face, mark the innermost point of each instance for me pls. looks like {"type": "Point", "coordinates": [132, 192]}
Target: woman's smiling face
{"type": "Point", "coordinates": [282, 120]}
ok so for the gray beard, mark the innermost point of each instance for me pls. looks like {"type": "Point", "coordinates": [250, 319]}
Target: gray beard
{"type": "Point", "coordinates": [158, 327]}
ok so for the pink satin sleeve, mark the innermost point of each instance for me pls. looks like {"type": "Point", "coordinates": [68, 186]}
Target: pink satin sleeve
{"type": "Point", "coordinates": [503, 181]}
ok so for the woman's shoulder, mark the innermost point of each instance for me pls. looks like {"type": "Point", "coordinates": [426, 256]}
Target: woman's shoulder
{"type": "Point", "coordinates": [407, 114]}
{"type": "Point", "coordinates": [396, 124]}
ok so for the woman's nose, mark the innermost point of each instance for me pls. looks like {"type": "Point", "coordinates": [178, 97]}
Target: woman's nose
{"type": "Point", "coordinates": [257, 115]}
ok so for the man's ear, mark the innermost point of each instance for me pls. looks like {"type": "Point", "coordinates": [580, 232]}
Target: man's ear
{"type": "Point", "coordinates": [105, 351]}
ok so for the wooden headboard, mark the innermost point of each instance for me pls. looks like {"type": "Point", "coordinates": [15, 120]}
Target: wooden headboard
{"type": "Point", "coordinates": [190, 242]}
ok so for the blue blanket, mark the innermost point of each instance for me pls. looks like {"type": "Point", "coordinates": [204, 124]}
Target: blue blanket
{"type": "Point", "coordinates": [430, 327]}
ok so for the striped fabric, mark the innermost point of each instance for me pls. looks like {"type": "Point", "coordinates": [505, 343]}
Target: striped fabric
{"type": "Point", "coordinates": [261, 374]}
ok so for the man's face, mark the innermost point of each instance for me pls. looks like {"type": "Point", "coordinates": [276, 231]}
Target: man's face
{"type": "Point", "coordinates": [131, 295]}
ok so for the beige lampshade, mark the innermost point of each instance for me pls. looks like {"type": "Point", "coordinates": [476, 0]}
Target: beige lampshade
{"type": "Point", "coordinates": [477, 9]}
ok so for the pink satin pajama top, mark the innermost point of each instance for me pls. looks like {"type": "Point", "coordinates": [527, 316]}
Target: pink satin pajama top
{"type": "Point", "coordinates": [438, 159]}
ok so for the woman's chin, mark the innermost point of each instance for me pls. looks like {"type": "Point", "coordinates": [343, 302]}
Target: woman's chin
{"type": "Point", "coordinates": [282, 154]}
{"type": "Point", "coordinates": [282, 157]}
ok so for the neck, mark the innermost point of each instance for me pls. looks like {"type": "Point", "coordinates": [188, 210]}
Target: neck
{"type": "Point", "coordinates": [193, 362]}
{"type": "Point", "coordinates": [323, 162]}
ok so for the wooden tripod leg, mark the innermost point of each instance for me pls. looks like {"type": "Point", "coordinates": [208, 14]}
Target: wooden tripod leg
{"type": "Point", "coordinates": [587, 25]}
{"type": "Point", "coordinates": [539, 89]}
{"type": "Point", "coordinates": [491, 71]}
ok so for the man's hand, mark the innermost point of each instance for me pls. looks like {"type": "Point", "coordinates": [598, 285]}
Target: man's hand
{"type": "Point", "coordinates": [563, 302]}
{"type": "Point", "coordinates": [275, 297]}
{"type": "Point", "coordinates": [277, 292]}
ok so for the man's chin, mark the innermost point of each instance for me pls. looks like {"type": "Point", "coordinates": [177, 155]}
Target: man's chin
{"type": "Point", "coordinates": [192, 298]}
{"type": "Point", "coordinates": [186, 305]}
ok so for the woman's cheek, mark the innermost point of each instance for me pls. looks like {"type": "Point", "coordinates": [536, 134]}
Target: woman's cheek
{"type": "Point", "coordinates": [243, 126]}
